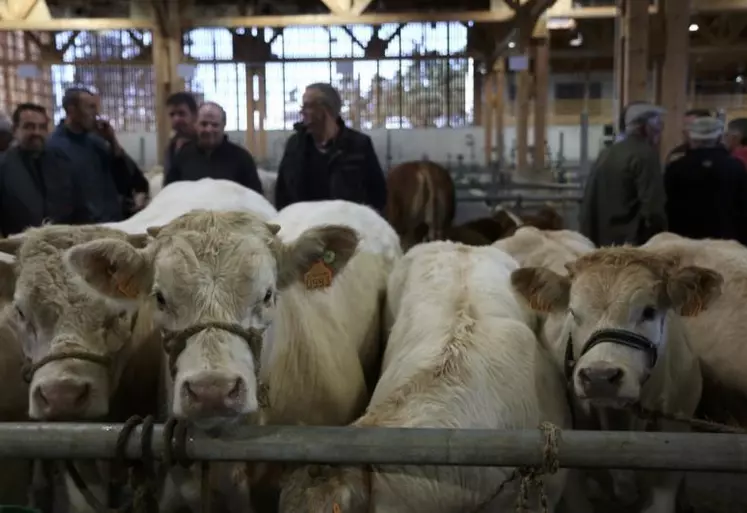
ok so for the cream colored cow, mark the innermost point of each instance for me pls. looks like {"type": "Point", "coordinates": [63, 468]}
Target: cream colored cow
{"type": "Point", "coordinates": [236, 268]}
{"type": "Point", "coordinates": [461, 355]}
{"type": "Point", "coordinates": [532, 247]}
{"type": "Point", "coordinates": [718, 333]}
{"type": "Point", "coordinates": [623, 329]}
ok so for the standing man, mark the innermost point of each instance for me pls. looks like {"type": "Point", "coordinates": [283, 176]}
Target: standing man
{"type": "Point", "coordinates": [324, 159]}
{"type": "Point", "coordinates": [212, 155]}
{"type": "Point", "coordinates": [36, 183]}
{"type": "Point", "coordinates": [135, 188]}
{"type": "Point", "coordinates": [690, 116]}
{"type": "Point", "coordinates": [735, 139]}
{"type": "Point", "coordinates": [624, 200]}
{"type": "Point", "coordinates": [103, 182]}
{"type": "Point", "coordinates": [181, 108]}
{"type": "Point", "coordinates": [711, 180]}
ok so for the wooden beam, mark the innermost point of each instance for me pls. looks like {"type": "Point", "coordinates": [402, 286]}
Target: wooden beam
{"type": "Point", "coordinates": [64, 24]}
{"type": "Point", "coordinates": [635, 53]}
{"type": "Point", "coordinates": [718, 5]}
{"type": "Point", "coordinates": [541, 94]}
{"type": "Point", "coordinates": [675, 70]}
{"type": "Point", "coordinates": [349, 19]}
{"type": "Point", "coordinates": [359, 6]}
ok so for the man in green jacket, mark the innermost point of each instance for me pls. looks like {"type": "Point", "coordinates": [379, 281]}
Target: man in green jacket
{"type": "Point", "coordinates": [624, 200]}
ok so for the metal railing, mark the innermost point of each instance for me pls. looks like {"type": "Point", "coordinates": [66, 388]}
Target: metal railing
{"type": "Point", "coordinates": [395, 446]}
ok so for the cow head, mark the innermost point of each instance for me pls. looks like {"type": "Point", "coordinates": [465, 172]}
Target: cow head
{"type": "Point", "coordinates": [77, 345]}
{"type": "Point", "coordinates": [617, 301]}
{"type": "Point", "coordinates": [208, 267]}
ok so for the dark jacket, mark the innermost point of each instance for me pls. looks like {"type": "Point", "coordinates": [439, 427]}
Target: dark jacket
{"type": "Point", "coordinates": [624, 199]}
{"type": "Point", "coordinates": [227, 161]}
{"type": "Point", "coordinates": [103, 178]}
{"type": "Point", "coordinates": [349, 170]}
{"type": "Point", "coordinates": [36, 189]}
{"type": "Point", "coordinates": [707, 195]}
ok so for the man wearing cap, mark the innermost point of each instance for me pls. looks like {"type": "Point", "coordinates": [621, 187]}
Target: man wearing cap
{"type": "Point", "coordinates": [706, 187]}
{"type": "Point", "coordinates": [679, 150]}
{"type": "Point", "coordinates": [624, 200]}
{"type": "Point", "coordinates": [324, 159]}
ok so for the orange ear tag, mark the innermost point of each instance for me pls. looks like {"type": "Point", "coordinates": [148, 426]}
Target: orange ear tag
{"type": "Point", "coordinates": [127, 288]}
{"type": "Point", "coordinates": [318, 277]}
{"type": "Point", "coordinates": [336, 508]}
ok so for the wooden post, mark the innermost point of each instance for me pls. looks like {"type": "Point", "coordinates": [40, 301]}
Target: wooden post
{"type": "Point", "coordinates": [523, 84]}
{"type": "Point", "coordinates": [167, 53]}
{"type": "Point", "coordinates": [262, 108]}
{"type": "Point", "coordinates": [487, 107]}
{"type": "Point", "coordinates": [541, 94]}
{"type": "Point", "coordinates": [635, 58]}
{"type": "Point", "coordinates": [499, 111]}
{"type": "Point", "coordinates": [619, 63]}
{"type": "Point", "coordinates": [675, 70]}
{"type": "Point", "coordinates": [250, 140]}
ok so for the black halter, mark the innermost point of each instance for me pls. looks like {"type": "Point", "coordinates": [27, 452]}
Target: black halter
{"type": "Point", "coordinates": [612, 336]}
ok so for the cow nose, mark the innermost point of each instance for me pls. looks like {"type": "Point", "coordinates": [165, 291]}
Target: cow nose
{"type": "Point", "coordinates": [63, 398]}
{"type": "Point", "coordinates": [601, 381]}
{"type": "Point", "coordinates": [214, 394]}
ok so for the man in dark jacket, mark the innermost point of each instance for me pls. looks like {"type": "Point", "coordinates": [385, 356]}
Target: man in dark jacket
{"type": "Point", "coordinates": [135, 193]}
{"type": "Point", "coordinates": [324, 159]}
{"type": "Point", "coordinates": [101, 171]}
{"type": "Point", "coordinates": [212, 155]}
{"type": "Point", "coordinates": [182, 110]}
{"type": "Point", "coordinates": [707, 188]}
{"type": "Point", "coordinates": [624, 200]}
{"type": "Point", "coordinates": [36, 183]}
{"type": "Point", "coordinates": [679, 150]}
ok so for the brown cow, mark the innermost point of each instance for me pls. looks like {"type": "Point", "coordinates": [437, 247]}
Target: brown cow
{"type": "Point", "coordinates": [504, 223]}
{"type": "Point", "coordinates": [421, 203]}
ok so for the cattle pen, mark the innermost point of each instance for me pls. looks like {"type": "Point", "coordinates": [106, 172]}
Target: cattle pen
{"type": "Point", "coordinates": [707, 452]}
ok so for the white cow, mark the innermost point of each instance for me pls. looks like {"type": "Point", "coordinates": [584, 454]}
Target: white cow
{"type": "Point", "coordinates": [461, 354]}
{"type": "Point", "coordinates": [181, 197]}
{"type": "Point", "coordinates": [72, 317]}
{"type": "Point", "coordinates": [234, 267]}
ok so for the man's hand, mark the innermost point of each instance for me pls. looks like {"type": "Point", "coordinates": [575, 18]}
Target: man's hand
{"type": "Point", "coordinates": [106, 131]}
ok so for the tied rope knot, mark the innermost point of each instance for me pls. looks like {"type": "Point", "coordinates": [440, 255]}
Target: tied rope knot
{"type": "Point", "coordinates": [533, 476]}
{"type": "Point", "coordinates": [143, 476]}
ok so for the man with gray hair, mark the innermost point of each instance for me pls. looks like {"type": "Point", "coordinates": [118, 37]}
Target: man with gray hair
{"type": "Point", "coordinates": [624, 200]}
{"type": "Point", "coordinates": [324, 159]}
{"type": "Point", "coordinates": [706, 187]}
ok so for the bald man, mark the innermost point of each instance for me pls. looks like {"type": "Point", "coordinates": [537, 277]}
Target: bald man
{"type": "Point", "coordinates": [212, 155]}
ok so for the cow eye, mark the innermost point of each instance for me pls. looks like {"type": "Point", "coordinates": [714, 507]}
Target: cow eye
{"type": "Point", "coordinates": [648, 314]}
{"type": "Point", "coordinates": [160, 300]}
{"type": "Point", "coordinates": [20, 314]}
{"type": "Point", "coordinates": [268, 296]}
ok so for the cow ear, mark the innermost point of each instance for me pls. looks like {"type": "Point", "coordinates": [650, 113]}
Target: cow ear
{"type": "Point", "coordinates": [112, 268]}
{"type": "Point", "coordinates": [692, 289]}
{"type": "Point", "coordinates": [544, 290]}
{"type": "Point", "coordinates": [317, 256]}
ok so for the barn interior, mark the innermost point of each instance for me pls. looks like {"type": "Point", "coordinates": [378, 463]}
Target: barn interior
{"type": "Point", "coordinates": [503, 92]}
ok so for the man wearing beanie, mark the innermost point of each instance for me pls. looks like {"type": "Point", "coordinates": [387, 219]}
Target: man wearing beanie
{"type": "Point", "coordinates": [706, 187]}
{"type": "Point", "coordinates": [324, 159]}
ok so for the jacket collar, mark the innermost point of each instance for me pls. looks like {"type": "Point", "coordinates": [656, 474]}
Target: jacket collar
{"type": "Point", "coordinates": [342, 134]}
